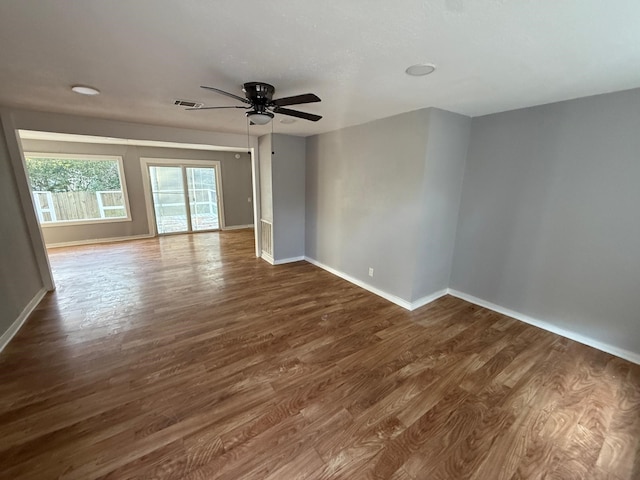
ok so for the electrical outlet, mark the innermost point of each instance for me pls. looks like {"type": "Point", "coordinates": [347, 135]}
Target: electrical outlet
{"type": "Point", "coordinates": [371, 271]}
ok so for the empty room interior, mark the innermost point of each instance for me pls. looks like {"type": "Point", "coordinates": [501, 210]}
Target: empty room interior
{"type": "Point", "coordinates": [319, 240]}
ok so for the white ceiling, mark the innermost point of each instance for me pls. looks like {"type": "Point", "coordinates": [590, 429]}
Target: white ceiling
{"type": "Point", "coordinates": [492, 55]}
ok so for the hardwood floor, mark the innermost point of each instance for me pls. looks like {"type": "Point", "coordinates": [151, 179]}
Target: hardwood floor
{"type": "Point", "coordinates": [187, 358]}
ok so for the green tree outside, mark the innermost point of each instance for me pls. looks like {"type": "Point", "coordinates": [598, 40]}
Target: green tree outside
{"type": "Point", "coordinates": [70, 175]}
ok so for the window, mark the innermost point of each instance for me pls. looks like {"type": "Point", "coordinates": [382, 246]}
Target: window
{"type": "Point", "coordinates": [75, 189]}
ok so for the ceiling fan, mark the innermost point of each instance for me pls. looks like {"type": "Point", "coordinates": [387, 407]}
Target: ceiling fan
{"type": "Point", "coordinates": [261, 106]}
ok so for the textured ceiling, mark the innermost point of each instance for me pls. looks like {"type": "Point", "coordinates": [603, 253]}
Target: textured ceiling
{"type": "Point", "coordinates": [492, 55]}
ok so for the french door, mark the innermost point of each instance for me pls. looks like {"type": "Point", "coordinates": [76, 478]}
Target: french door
{"type": "Point", "coordinates": [185, 198]}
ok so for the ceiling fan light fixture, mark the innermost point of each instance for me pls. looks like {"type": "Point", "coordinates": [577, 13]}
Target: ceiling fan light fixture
{"type": "Point", "coordinates": [259, 118]}
{"type": "Point", "coordinates": [85, 90]}
{"type": "Point", "coordinates": [420, 69]}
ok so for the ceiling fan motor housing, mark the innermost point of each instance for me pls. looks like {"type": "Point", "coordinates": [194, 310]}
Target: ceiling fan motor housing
{"type": "Point", "coordinates": [258, 93]}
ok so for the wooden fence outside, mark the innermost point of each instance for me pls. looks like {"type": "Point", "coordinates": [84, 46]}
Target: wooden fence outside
{"type": "Point", "coordinates": [71, 206]}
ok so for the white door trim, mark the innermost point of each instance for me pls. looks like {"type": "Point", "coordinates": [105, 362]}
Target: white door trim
{"type": "Point", "coordinates": [146, 162]}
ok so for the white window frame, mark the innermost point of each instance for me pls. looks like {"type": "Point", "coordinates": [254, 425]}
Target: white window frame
{"type": "Point", "coordinates": [90, 157]}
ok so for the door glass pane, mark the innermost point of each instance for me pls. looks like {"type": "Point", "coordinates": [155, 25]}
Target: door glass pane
{"type": "Point", "coordinates": [167, 188]}
{"type": "Point", "coordinates": [203, 200]}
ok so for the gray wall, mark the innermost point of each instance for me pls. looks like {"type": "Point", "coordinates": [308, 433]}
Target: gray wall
{"type": "Point", "coordinates": [20, 278]}
{"type": "Point", "coordinates": [288, 182]}
{"type": "Point", "coordinates": [386, 195]}
{"type": "Point", "coordinates": [266, 201]}
{"type": "Point", "coordinates": [74, 124]}
{"type": "Point", "coordinates": [363, 199]}
{"type": "Point", "coordinates": [549, 223]}
{"type": "Point", "coordinates": [447, 141]}
{"type": "Point", "coordinates": [236, 187]}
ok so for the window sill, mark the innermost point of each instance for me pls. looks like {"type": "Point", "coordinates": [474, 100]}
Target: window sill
{"type": "Point", "coordinates": [73, 223]}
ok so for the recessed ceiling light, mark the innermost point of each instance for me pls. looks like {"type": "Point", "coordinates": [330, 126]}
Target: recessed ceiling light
{"type": "Point", "coordinates": [420, 69]}
{"type": "Point", "coordinates": [85, 90]}
{"type": "Point", "coordinates": [287, 120]}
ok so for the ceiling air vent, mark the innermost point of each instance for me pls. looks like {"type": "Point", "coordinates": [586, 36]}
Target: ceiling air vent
{"type": "Point", "coordinates": [188, 103]}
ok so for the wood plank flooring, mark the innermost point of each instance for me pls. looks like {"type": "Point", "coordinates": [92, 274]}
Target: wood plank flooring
{"type": "Point", "coordinates": [185, 357]}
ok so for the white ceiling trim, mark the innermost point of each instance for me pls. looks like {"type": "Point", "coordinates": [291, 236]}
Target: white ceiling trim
{"type": "Point", "coordinates": [67, 137]}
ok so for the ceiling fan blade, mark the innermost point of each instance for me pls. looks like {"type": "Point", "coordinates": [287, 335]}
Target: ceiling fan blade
{"type": "Point", "coordinates": [222, 92]}
{"type": "Point", "coordinates": [296, 100]}
{"type": "Point", "coordinates": [296, 113]}
{"type": "Point", "coordinates": [213, 108]}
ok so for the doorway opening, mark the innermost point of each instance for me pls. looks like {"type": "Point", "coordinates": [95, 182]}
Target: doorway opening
{"type": "Point", "coordinates": [116, 213]}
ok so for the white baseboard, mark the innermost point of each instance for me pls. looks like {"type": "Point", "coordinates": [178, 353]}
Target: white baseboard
{"type": "Point", "coordinates": [550, 327]}
{"type": "Point", "coordinates": [98, 240]}
{"type": "Point", "coordinates": [421, 302]}
{"type": "Point", "coordinates": [15, 326]}
{"type": "Point", "coordinates": [288, 260]}
{"type": "Point", "coordinates": [387, 296]}
{"type": "Point", "coordinates": [238, 227]}
{"type": "Point", "coordinates": [268, 258]}
{"type": "Point", "coordinates": [605, 347]}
